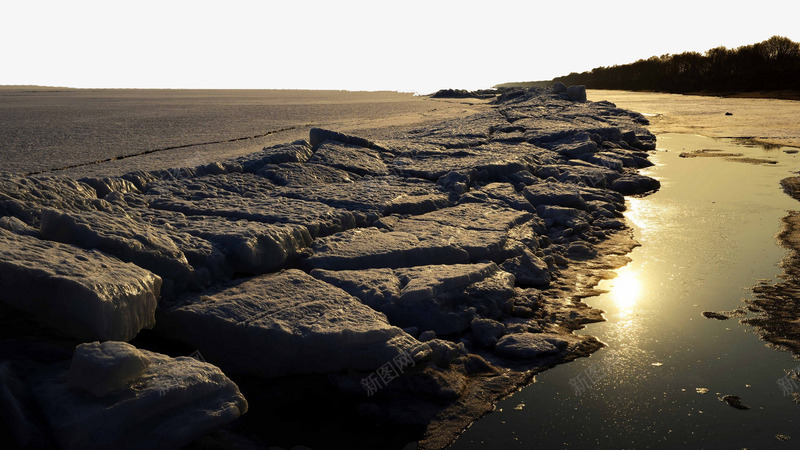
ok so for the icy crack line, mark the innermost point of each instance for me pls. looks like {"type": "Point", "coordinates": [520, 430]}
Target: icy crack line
{"type": "Point", "coordinates": [172, 147]}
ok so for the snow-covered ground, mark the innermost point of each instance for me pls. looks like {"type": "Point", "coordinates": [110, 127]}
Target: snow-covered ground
{"type": "Point", "coordinates": [101, 130]}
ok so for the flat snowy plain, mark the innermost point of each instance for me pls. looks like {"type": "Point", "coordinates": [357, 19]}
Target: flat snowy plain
{"type": "Point", "coordinates": [85, 132]}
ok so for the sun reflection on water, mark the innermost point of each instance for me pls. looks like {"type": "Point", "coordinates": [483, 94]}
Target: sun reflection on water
{"type": "Point", "coordinates": [643, 214]}
{"type": "Point", "coordinates": [625, 290]}
{"type": "Point", "coordinates": [623, 303]}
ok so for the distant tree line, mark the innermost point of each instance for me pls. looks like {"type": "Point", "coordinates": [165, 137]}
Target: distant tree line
{"type": "Point", "coordinates": [767, 66]}
{"type": "Point", "coordinates": [463, 93]}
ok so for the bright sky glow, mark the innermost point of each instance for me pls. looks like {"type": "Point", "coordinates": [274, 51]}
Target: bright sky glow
{"type": "Point", "coordinates": [412, 45]}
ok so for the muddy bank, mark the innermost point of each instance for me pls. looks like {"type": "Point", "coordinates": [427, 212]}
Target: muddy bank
{"type": "Point", "coordinates": [409, 279]}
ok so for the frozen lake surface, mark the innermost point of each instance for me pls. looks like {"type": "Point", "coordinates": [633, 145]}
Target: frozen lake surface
{"type": "Point", "coordinates": [100, 132]}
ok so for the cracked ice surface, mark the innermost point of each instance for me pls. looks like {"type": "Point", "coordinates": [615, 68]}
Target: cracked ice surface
{"type": "Point", "coordinates": [461, 244]}
{"type": "Point", "coordinates": [83, 294]}
{"type": "Point", "coordinates": [286, 323]}
{"type": "Point", "coordinates": [152, 397]}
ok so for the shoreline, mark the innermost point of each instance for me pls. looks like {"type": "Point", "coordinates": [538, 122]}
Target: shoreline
{"type": "Point", "coordinates": [765, 95]}
{"type": "Point", "coordinates": [463, 246]}
{"type": "Point", "coordinates": [567, 306]}
{"type": "Point", "coordinates": [769, 121]}
{"type": "Point", "coordinates": [777, 305]}
{"type": "Point", "coordinates": [772, 95]}
{"type": "Point", "coordinates": [785, 94]}
{"type": "Point", "coordinates": [690, 261]}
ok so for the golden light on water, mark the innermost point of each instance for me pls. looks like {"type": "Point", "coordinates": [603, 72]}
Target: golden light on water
{"type": "Point", "coordinates": [625, 290]}
{"type": "Point", "coordinates": [640, 213]}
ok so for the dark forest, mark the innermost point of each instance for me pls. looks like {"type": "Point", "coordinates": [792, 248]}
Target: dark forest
{"type": "Point", "coordinates": [772, 65]}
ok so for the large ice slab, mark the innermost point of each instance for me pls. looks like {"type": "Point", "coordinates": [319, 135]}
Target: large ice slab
{"type": "Point", "coordinates": [249, 247]}
{"type": "Point", "coordinates": [480, 229]}
{"type": "Point", "coordinates": [489, 163]}
{"type": "Point", "coordinates": [124, 237]}
{"type": "Point", "coordinates": [479, 244]}
{"type": "Point", "coordinates": [352, 158]}
{"type": "Point", "coordinates": [557, 194]}
{"type": "Point", "coordinates": [318, 218]}
{"type": "Point", "coordinates": [25, 197]}
{"type": "Point", "coordinates": [318, 136]}
{"type": "Point", "coordinates": [463, 132]}
{"type": "Point", "coordinates": [237, 184]}
{"type": "Point", "coordinates": [366, 248]}
{"type": "Point", "coordinates": [528, 269]}
{"type": "Point", "coordinates": [17, 226]}
{"type": "Point", "coordinates": [530, 345]}
{"type": "Point", "coordinates": [586, 174]}
{"type": "Point", "coordinates": [431, 281]}
{"type": "Point", "coordinates": [477, 217]}
{"type": "Point", "coordinates": [180, 173]}
{"type": "Point", "coordinates": [106, 185]}
{"type": "Point", "coordinates": [634, 184]}
{"type": "Point", "coordinates": [84, 294]}
{"type": "Point", "coordinates": [104, 368]}
{"type": "Point", "coordinates": [533, 114]}
{"type": "Point", "coordinates": [442, 298]}
{"type": "Point", "coordinates": [380, 195]}
{"type": "Point", "coordinates": [500, 193]}
{"type": "Point", "coordinates": [285, 323]}
{"type": "Point", "coordinates": [165, 403]}
{"type": "Point", "coordinates": [223, 185]}
{"type": "Point", "coordinates": [295, 152]}
{"type": "Point", "coordinates": [301, 175]}
{"type": "Point", "coordinates": [464, 233]}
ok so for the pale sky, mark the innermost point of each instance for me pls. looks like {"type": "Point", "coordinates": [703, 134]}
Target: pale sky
{"type": "Point", "coordinates": [409, 45]}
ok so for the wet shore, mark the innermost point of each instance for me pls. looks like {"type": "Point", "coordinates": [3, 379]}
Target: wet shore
{"type": "Point", "coordinates": [777, 304]}
{"type": "Point", "coordinates": [662, 380]}
{"type": "Point", "coordinates": [767, 123]}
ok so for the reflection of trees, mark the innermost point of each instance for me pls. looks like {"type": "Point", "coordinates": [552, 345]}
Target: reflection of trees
{"type": "Point", "coordinates": [770, 65]}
